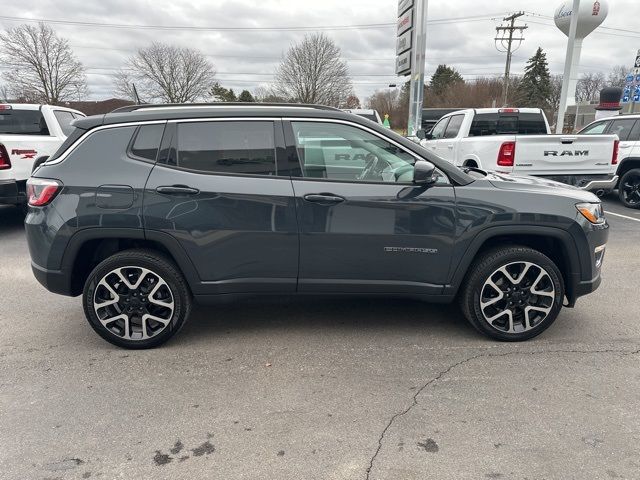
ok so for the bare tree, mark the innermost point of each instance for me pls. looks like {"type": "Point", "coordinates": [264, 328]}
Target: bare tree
{"type": "Point", "coordinates": [618, 75]}
{"type": "Point", "coordinates": [166, 73]}
{"type": "Point", "coordinates": [4, 93]}
{"type": "Point", "coordinates": [312, 71]}
{"type": "Point", "coordinates": [589, 86]}
{"type": "Point", "coordinates": [42, 66]}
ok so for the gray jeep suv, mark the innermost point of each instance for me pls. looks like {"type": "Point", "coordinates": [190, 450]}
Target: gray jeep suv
{"type": "Point", "coordinates": [148, 208]}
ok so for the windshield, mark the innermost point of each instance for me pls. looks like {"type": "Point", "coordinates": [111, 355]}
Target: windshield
{"type": "Point", "coordinates": [22, 122]}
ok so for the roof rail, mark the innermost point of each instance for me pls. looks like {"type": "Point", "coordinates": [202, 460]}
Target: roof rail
{"type": "Point", "coordinates": [133, 108]}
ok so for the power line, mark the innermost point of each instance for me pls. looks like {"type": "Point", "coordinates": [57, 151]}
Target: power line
{"type": "Point", "coordinates": [363, 26]}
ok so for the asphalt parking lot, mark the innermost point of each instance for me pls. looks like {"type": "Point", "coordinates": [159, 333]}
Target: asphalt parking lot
{"type": "Point", "coordinates": [340, 389]}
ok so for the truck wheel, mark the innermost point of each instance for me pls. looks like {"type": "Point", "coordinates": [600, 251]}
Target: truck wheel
{"type": "Point", "coordinates": [512, 293]}
{"type": "Point", "coordinates": [136, 299]}
{"type": "Point", "coordinates": [629, 188]}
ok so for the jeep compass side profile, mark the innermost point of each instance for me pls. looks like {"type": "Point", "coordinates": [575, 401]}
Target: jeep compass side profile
{"type": "Point", "coordinates": [146, 209]}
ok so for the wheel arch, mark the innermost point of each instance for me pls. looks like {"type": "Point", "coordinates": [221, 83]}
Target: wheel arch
{"type": "Point", "coordinates": [555, 243]}
{"type": "Point", "coordinates": [87, 248]}
{"type": "Point", "coordinates": [627, 164]}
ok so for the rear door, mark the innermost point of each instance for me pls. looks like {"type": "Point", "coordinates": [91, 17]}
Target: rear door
{"type": "Point", "coordinates": [375, 231]}
{"type": "Point", "coordinates": [627, 132]}
{"type": "Point", "coordinates": [218, 191]}
{"type": "Point", "coordinates": [436, 142]}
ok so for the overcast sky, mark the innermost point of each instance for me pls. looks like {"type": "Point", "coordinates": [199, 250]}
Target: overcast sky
{"type": "Point", "coordinates": [247, 58]}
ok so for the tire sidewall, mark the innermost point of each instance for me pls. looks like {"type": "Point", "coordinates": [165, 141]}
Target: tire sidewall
{"type": "Point", "coordinates": [511, 257]}
{"type": "Point", "coordinates": [169, 275]}
{"type": "Point", "coordinates": [634, 171]}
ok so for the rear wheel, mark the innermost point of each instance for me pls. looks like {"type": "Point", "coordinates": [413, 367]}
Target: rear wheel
{"type": "Point", "coordinates": [136, 299]}
{"type": "Point", "coordinates": [512, 293]}
{"type": "Point", "coordinates": [629, 188]}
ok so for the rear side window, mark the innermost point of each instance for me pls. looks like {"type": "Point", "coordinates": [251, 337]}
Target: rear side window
{"type": "Point", "coordinates": [501, 124]}
{"type": "Point", "coordinates": [236, 147]}
{"type": "Point", "coordinates": [22, 122]}
{"type": "Point", "coordinates": [622, 128]}
{"type": "Point", "coordinates": [454, 126]}
{"type": "Point", "coordinates": [146, 142]}
{"type": "Point", "coordinates": [64, 119]}
{"type": "Point", "coordinates": [595, 129]}
{"type": "Point", "coordinates": [103, 146]}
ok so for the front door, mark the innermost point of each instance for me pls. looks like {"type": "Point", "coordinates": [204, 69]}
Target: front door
{"type": "Point", "coordinates": [217, 191]}
{"type": "Point", "coordinates": [367, 228]}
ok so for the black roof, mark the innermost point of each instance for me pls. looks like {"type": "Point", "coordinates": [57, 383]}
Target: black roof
{"type": "Point", "coordinates": [148, 112]}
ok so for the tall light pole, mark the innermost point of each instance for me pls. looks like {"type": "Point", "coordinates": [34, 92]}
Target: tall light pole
{"type": "Point", "coordinates": [576, 20]}
{"type": "Point", "coordinates": [418, 54]}
{"type": "Point", "coordinates": [568, 70]}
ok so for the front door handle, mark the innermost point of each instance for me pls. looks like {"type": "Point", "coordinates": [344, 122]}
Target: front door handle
{"type": "Point", "coordinates": [177, 190]}
{"type": "Point", "coordinates": [323, 198]}
{"type": "Point", "coordinates": [450, 147]}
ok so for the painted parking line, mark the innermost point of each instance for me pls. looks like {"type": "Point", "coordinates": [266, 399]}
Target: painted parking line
{"type": "Point", "coordinates": [622, 216]}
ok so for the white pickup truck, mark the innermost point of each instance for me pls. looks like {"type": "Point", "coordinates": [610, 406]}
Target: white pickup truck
{"type": "Point", "coordinates": [28, 131]}
{"type": "Point", "coordinates": [512, 140]}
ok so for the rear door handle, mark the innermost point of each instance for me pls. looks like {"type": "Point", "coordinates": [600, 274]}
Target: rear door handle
{"type": "Point", "coordinates": [323, 198]}
{"type": "Point", "coordinates": [450, 146]}
{"type": "Point", "coordinates": [177, 190]}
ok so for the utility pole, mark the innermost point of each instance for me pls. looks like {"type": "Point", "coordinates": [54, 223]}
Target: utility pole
{"type": "Point", "coordinates": [504, 39]}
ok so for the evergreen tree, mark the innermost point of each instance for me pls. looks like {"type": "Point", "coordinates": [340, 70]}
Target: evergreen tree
{"type": "Point", "coordinates": [222, 94]}
{"type": "Point", "coordinates": [443, 78]}
{"type": "Point", "coordinates": [245, 96]}
{"type": "Point", "coordinates": [535, 89]}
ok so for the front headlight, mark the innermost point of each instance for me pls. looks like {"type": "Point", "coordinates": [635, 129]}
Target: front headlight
{"type": "Point", "coordinates": [592, 212]}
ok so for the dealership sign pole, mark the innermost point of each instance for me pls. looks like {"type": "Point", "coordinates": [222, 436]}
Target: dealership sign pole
{"type": "Point", "coordinates": [411, 51]}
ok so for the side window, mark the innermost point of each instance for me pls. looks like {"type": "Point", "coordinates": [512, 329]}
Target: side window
{"type": "Point", "coordinates": [103, 146]}
{"type": "Point", "coordinates": [595, 129]}
{"type": "Point", "coordinates": [342, 152]}
{"type": "Point", "coordinates": [531, 124]}
{"type": "Point", "coordinates": [438, 129]}
{"type": "Point", "coordinates": [146, 142]}
{"type": "Point", "coordinates": [454, 126]}
{"type": "Point", "coordinates": [238, 147]}
{"type": "Point", "coordinates": [64, 119]}
{"type": "Point", "coordinates": [622, 128]}
{"type": "Point", "coordinates": [634, 136]}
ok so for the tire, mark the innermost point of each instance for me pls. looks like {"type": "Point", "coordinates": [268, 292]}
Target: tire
{"type": "Point", "coordinates": [629, 188]}
{"type": "Point", "coordinates": [155, 309]}
{"type": "Point", "coordinates": [534, 297]}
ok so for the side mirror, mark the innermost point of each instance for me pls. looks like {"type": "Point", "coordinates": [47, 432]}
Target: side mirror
{"type": "Point", "coordinates": [421, 134]}
{"type": "Point", "coordinates": [423, 173]}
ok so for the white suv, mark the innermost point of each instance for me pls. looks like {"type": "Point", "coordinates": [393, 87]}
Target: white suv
{"type": "Point", "coordinates": [627, 127]}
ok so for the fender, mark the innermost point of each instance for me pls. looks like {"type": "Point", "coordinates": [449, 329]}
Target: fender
{"type": "Point", "coordinates": [167, 241]}
{"type": "Point", "coordinates": [567, 240]}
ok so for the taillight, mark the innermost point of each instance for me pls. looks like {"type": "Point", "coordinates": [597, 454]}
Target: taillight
{"type": "Point", "coordinates": [5, 161]}
{"type": "Point", "coordinates": [507, 154]}
{"type": "Point", "coordinates": [40, 191]}
{"type": "Point", "coordinates": [614, 157]}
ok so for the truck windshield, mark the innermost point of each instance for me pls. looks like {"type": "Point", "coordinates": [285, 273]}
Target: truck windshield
{"type": "Point", "coordinates": [502, 124]}
{"type": "Point", "coordinates": [22, 122]}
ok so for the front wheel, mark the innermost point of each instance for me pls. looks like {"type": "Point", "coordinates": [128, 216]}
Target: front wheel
{"type": "Point", "coordinates": [136, 299]}
{"type": "Point", "coordinates": [512, 293]}
{"type": "Point", "coordinates": [629, 188]}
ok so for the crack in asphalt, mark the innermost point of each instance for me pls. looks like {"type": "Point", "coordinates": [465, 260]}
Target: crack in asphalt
{"type": "Point", "coordinates": [444, 372]}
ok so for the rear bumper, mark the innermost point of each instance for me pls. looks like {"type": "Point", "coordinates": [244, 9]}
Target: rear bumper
{"type": "Point", "coordinates": [604, 185]}
{"type": "Point", "coordinates": [55, 281]}
{"type": "Point", "coordinates": [9, 192]}
{"type": "Point", "coordinates": [593, 183]}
